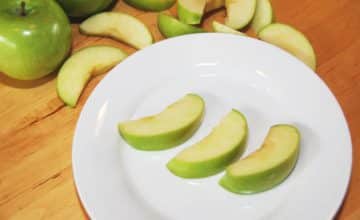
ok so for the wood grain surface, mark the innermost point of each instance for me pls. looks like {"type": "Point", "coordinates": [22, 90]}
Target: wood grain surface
{"type": "Point", "coordinates": [36, 129]}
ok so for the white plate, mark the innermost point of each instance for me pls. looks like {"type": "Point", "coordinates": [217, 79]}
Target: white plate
{"type": "Point", "coordinates": [269, 86]}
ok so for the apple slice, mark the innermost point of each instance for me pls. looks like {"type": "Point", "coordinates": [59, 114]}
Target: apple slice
{"type": "Point", "coordinates": [77, 70]}
{"type": "Point", "coordinates": [239, 12]}
{"type": "Point", "coordinates": [218, 27]}
{"type": "Point", "coordinates": [167, 129]}
{"type": "Point", "coordinates": [263, 15]}
{"type": "Point", "coordinates": [151, 5]}
{"type": "Point", "coordinates": [171, 27]}
{"type": "Point", "coordinates": [214, 4]}
{"type": "Point", "coordinates": [213, 153]}
{"type": "Point", "coordinates": [191, 11]}
{"type": "Point", "coordinates": [119, 26]}
{"type": "Point", "coordinates": [266, 167]}
{"type": "Point", "coordinates": [291, 40]}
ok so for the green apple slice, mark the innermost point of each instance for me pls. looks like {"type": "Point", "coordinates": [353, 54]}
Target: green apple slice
{"type": "Point", "coordinates": [214, 4]}
{"type": "Point", "coordinates": [291, 40]}
{"type": "Point", "coordinates": [151, 5]}
{"type": "Point", "coordinates": [119, 26]}
{"type": "Point", "coordinates": [266, 167]}
{"type": "Point", "coordinates": [191, 11]}
{"type": "Point", "coordinates": [77, 70]}
{"type": "Point", "coordinates": [263, 15]}
{"type": "Point", "coordinates": [167, 129]}
{"type": "Point", "coordinates": [213, 153]}
{"type": "Point", "coordinates": [239, 12]}
{"type": "Point", "coordinates": [218, 27]}
{"type": "Point", "coordinates": [171, 27]}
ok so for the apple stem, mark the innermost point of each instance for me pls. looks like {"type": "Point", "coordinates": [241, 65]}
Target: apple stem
{"type": "Point", "coordinates": [22, 8]}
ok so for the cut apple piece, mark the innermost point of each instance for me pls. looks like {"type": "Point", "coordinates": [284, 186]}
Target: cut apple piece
{"type": "Point", "coordinates": [78, 69]}
{"type": "Point", "coordinates": [213, 153]}
{"type": "Point", "coordinates": [167, 129]}
{"type": "Point", "coordinates": [214, 4]}
{"type": "Point", "coordinates": [151, 5]}
{"type": "Point", "coordinates": [191, 11]}
{"type": "Point", "coordinates": [171, 27]}
{"type": "Point", "coordinates": [218, 27]}
{"type": "Point", "coordinates": [239, 12]}
{"type": "Point", "coordinates": [120, 26]}
{"type": "Point", "coordinates": [263, 15]}
{"type": "Point", "coordinates": [266, 167]}
{"type": "Point", "coordinates": [291, 40]}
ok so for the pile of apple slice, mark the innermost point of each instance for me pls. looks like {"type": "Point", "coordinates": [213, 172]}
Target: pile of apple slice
{"type": "Point", "coordinates": [125, 28]}
{"type": "Point", "coordinates": [260, 171]}
{"type": "Point", "coordinates": [258, 14]}
{"type": "Point", "coordinates": [128, 29]}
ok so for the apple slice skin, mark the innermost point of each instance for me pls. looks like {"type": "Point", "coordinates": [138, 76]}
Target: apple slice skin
{"type": "Point", "coordinates": [165, 140]}
{"type": "Point", "coordinates": [189, 15]}
{"type": "Point", "coordinates": [264, 15]}
{"type": "Point", "coordinates": [220, 28]}
{"type": "Point", "coordinates": [77, 70]}
{"type": "Point", "coordinates": [171, 27]}
{"type": "Point", "coordinates": [204, 168]}
{"type": "Point", "coordinates": [209, 167]}
{"type": "Point", "coordinates": [264, 179]}
{"type": "Point", "coordinates": [151, 5]}
{"type": "Point", "coordinates": [291, 40]}
{"type": "Point", "coordinates": [119, 26]}
{"type": "Point", "coordinates": [239, 13]}
{"type": "Point", "coordinates": [258, 182]}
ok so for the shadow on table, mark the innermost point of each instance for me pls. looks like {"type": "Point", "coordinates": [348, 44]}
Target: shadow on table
{"type": "Point", "coordinates": [87, 217]}
{"type": "Point", "coordinates": [24, 84]}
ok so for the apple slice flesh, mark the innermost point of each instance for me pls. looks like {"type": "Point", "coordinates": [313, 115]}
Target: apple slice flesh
{"type": "Point", "coordinates": [167, 129]}
{"type": "Point", "coordinates": [266, 167]}
{"type": "Point", "coordinates": [239, 12]}
{"type": "Point", "coordinates": [263, 15]}
{"type": "Point", "coordinates": [291, 40]}
{"type": "Point", "coordinates": [77, 70]}
{"type": "Point", "coordinates": [171, 27]}
{"type": "Point", "coordinates": [191, 11]}
{"type": "Point", "coordinates": [120, 26]}
{"type": "Point", "coordinates": [213, 153]}
{"type": "Point", "coordinates": [151, 5]}
{"type": "Point", "coordinates": [218, 27]}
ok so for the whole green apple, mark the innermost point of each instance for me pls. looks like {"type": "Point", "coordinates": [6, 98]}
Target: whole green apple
{"type": "Point", "coordinates": [83, 8]}
{"type": "Point", "coordinates": [35, 38]}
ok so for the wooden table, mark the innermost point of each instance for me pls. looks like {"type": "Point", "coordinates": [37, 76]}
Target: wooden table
{"type": "Point", "coordinates": [36, 129]}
